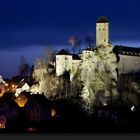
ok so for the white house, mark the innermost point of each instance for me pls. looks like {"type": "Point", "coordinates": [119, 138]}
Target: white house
{"type": "Point", "coordinates": [24, 87]}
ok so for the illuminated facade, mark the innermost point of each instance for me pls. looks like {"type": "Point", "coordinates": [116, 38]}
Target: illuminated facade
{"type": "Point", "coordinates": [66, 62]}
{"type": "Point", "coordinates": [128, 59]}
{"type": "Point", "coordinates": [21, 100]}
{"type": "Point", "coordinates": [102, 31]}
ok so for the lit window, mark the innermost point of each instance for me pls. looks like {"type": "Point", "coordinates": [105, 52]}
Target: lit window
{"type": "Point", "coordinates": [6, 85]}
{"type": "Point", "coordinates": [13, 86]}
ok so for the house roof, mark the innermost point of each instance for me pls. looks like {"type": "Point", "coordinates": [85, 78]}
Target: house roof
{"type": "Point", "coordinates": [124, 50]}
{"type": "Point", "coordinates": [76, 57]}
{"type": "Point", "coordinates": [20, 85]}
{"type": "Point", "coordinates": [41, 99]}
{"type": "Point", "coordinates": [89, 49]}
{"type": "Point", "coordinates": [102, 20]}
{"type": "Point", "coordinates": [26, 94]}
{"type": "Point", "coordinates": [8, 99]}
{"type": "Point", "coordinates": [22, 96]}
{"type": "Point", "coordinates": [63, 52]}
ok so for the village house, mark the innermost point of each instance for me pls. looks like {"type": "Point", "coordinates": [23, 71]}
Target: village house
{"type": "Point", "coordinates": [38, 108]}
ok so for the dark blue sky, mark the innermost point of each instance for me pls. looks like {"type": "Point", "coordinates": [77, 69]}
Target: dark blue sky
{"type": "Point", "coordinates": [28, 26]}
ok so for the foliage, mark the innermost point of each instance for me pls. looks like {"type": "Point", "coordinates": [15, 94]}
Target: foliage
{"type": "Point", "coordinates": [129, 90]}
{"type": "Point", "coordinates": [44, 74]}
{"type": "Point", "coordinates": [99, 77]}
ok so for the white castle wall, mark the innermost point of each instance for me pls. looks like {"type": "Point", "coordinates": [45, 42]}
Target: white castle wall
{"type": "Point", "coordinates": [63, 63]}
{"type": "Point", "coordinates": [86, 54]}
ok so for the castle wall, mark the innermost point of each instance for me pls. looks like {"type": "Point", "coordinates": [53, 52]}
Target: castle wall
{"type": "Point", "coordinates": [128, 64]}
{"type": "Point", "coordinates": [63, 63]}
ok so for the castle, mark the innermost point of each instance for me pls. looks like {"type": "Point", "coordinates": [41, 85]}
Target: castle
{"type": "Point", "coordinates": [70, 62]}
{"type": "Point", "coordinates": [128, 58]}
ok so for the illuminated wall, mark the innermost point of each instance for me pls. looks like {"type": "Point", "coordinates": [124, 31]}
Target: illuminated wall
{"type": "Point", "coordinates": [102, 34]}
{"type": "Point", "coordinates": [129, 64]}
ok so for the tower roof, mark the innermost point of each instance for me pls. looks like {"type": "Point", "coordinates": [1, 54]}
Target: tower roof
{"type": "Point", "coordinates": [76, 57]}
{"type": "Point", "coordinates": [102, 20]}
{"type": "Point", "coordinates": [63, 52]}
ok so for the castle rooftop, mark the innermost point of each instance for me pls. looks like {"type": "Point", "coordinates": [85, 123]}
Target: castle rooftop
{"type": "Point", "coordinates": [102, 20]}
{"type": "Point", "coordinates": [124, 50]}
{"type": "Point", "coordinates": [76, 57]}
{"type": "Point", "coordinates": [63, 52]}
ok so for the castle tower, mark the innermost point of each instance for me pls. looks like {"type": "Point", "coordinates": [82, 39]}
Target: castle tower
{"type": "Point", "coordinates": [63, 62]}
{"type": "Point", "coordinates": [102, 31]}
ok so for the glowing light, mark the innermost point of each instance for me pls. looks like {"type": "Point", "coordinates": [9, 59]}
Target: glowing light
{"type": "Point", "coordinates": [32, 129]}
{"type": "Point", "coordinates": [21, 100]}
{"type": "Point", "coordinates": [53, 112]}
{"type": "Point", "coordinates": [13, 86]}
{"type": "Point", "coordinates": [133, 108]}
{"type": "Point", "coordinates": [105, 104]}
{"type": "Point", "coordinates": [6, 85]}
{"type": "Point", "coordinates": [2, 125]}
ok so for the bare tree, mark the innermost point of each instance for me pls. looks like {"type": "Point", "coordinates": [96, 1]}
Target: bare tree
{"type": "Point", "coordinates": [89, 39]}
{"type": "Point", "coordinates": [74, 42]}
{"type": "Point", "coordinates": [49, 54]}
{"type": "Point", "coordinates": [24, 67]}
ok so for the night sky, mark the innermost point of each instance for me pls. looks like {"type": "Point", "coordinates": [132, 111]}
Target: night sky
{"type": "Point", "coordinates": [29, 26]}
